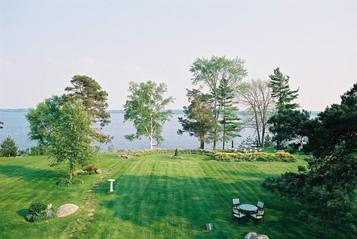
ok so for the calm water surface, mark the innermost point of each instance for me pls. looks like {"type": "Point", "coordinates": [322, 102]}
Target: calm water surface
{"type": "Point", "coordinates": [17, 127]}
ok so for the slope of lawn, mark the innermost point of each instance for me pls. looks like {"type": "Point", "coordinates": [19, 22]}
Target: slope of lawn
{"type": "Point", "coordinates": [154, 197]}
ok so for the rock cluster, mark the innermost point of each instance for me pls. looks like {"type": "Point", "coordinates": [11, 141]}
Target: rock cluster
{"type": "Point", "coordinates": [253, 235]}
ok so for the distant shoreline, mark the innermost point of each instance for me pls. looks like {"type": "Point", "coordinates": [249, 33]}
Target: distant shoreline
{"type": "Point", "coordinates": [174, 111]}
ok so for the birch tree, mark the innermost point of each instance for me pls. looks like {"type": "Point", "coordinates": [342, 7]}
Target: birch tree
{"type": "Point", "coordinates": [146, 108]}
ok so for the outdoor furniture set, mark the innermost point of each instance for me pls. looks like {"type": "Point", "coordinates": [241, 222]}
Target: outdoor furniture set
{"type": "Point", "coordinates": [243, 211]}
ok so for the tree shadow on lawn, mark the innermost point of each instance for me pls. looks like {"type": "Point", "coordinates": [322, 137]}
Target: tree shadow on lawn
{"type": "Point", "coordinates": [192, 202]}
{"type": "Point", "coordinates": [30, 173]}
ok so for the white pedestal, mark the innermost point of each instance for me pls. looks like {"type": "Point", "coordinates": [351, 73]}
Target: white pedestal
{"type": "Point", "coordinates": [111, 181]}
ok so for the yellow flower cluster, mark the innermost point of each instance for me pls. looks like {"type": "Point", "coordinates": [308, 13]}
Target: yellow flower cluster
{"type": "Point", "coordinates": [254, 156]}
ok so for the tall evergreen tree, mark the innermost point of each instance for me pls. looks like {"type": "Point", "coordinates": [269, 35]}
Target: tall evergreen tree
{"type": "Point", "coordinates": [287, 115]}
{"type": "Point", "coordinates": [229, 121]}
{"type": "Point", "coordinates": [94, 100]}
{"type": "Point", "coordinates": [199, 119]}
{"type": "Point", "coordinates": [284, 97]}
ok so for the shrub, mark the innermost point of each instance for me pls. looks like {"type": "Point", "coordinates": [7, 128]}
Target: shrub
{"type": "Point", "coordinates": [254, 156]}
{"type": "Point", "coordinates": [40, 211]}
{"type": "Point", "coordinates": [67, 182]}
{"type": "Point", "coordinates": [91, 169]}
{"type": "Point", "coordinates": [8, 148]}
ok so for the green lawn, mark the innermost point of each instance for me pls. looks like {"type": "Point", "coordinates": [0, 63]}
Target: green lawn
{"type": "Point", "coordinates": [155, 197]}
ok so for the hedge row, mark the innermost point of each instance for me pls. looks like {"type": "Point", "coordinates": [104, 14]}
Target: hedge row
{"type": "Point", "coordinates": [254, 156]}
{"type": "Point", "coordinates": [181, 151]}
{"type": "Point", "coordinates": [223, 155]}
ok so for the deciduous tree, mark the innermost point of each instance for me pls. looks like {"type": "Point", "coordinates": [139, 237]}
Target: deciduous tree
{"type": "Point", "coordinates": [209, 73]}
{"type": "Point", "coordinates": [42, 118]}
{"type": "Point", "coordinates": [199, 119]}
{"type": "Point", "coordinates": [146, 108]}
{"type": "Point", "coordinates": [257, 96]}
{"type": "Point", "coordinates": [70, 138]}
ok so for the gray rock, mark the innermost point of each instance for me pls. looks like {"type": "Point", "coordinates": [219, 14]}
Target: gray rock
{"type": "Point", "coordinates": [251, 235]}
{"type": "Point", "coordinates": [66, 210]}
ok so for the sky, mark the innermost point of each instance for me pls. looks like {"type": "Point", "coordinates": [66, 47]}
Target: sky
{"type": "Point", "coordinates": [44, 43]}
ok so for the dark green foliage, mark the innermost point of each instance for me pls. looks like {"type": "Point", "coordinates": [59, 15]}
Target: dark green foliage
{"type": "Point", "coordinates": [68, 182]}
{"type": "Point", "coordinates": [327, 187]}
{"type": "Point", "coordinates": [284, 97]}
{"type": "Point", "coordinates": [176, 153]}
{"type": "Point", "coordinates": [8, 148]}
{"type": "Point", "coordinates": [229, 121]}
{"type": "Point", "coordinates": [199, 119]}
{"type": "Point", "coordinates": [39, 211]}
{"type": "Point", "coordinates": [288, 127]}
{"type": "Point", "coordinates": [86, 90]}
{"type": "Point", "coordinates": [286, 123]}
{"type": "Point", "coordinates": [37, 208]}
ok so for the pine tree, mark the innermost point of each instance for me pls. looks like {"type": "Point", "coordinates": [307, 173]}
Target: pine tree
{"type": "Point", "coordinates": [229, 120]}
{"type": "Point", "coordinates": [279, 83]}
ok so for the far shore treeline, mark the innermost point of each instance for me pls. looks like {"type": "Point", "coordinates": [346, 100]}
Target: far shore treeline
{"type": "Point", "coordinates": [66, 127]}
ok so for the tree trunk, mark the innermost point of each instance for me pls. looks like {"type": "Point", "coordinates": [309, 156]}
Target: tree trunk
{"type": "Point", "coordinates": [202, 144]}
{"type": "Point", "coordinates": [216, 123]}
{"type": "Point", "coordinates": [71, 170]}
{"type": "Point", "coordinates": [224, 133]}
{"type": "Point", "coordinates": [257, 126]}
{"type": "Point", "coordinates": [151, 143]}
{"type": "Point", "coordinates": [151, 134]}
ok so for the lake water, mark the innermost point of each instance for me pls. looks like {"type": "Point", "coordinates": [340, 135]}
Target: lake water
{"type": "Point", "coordinates": [16, 126]}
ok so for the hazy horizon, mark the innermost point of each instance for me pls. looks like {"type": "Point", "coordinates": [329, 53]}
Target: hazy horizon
{"type": "Point", "coordinates": [44, 43]}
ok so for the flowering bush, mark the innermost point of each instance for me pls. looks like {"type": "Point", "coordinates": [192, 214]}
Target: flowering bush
{"type": "Point", "coordinates": [254, 156]}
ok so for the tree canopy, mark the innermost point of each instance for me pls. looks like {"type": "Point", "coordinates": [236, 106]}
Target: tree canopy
{"type": "Point", "coordinates": [229, 120]}
{"type": "Point", "coordinates": [328, 186]}
{"type": "Point", "coordinates": [257, 96]}
{"type": "Point", "coordinates": [42, 118]}
{"type": "Point", "coordinates": [146, 108]}
{"type": "Point", "coordinates": [8, 148]}
{"type": "Point", "coordinates": [208, 73]}
{"type": "Point", "coordinates": [70, 138]}
{"type": "Point", "coordinates": [86, 90]}
{"type": "Point", "coordinates": [281, 92]}
{"type": "Point", "coordinates": [198, 120]}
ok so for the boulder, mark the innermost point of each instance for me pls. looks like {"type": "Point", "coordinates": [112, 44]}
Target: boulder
{"type": "Point", "coordinates": [66, 210]}
{"type": "Point", "coordinates": [251, 235]}
{"type": "Point", "coordinates": [98, 171]}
